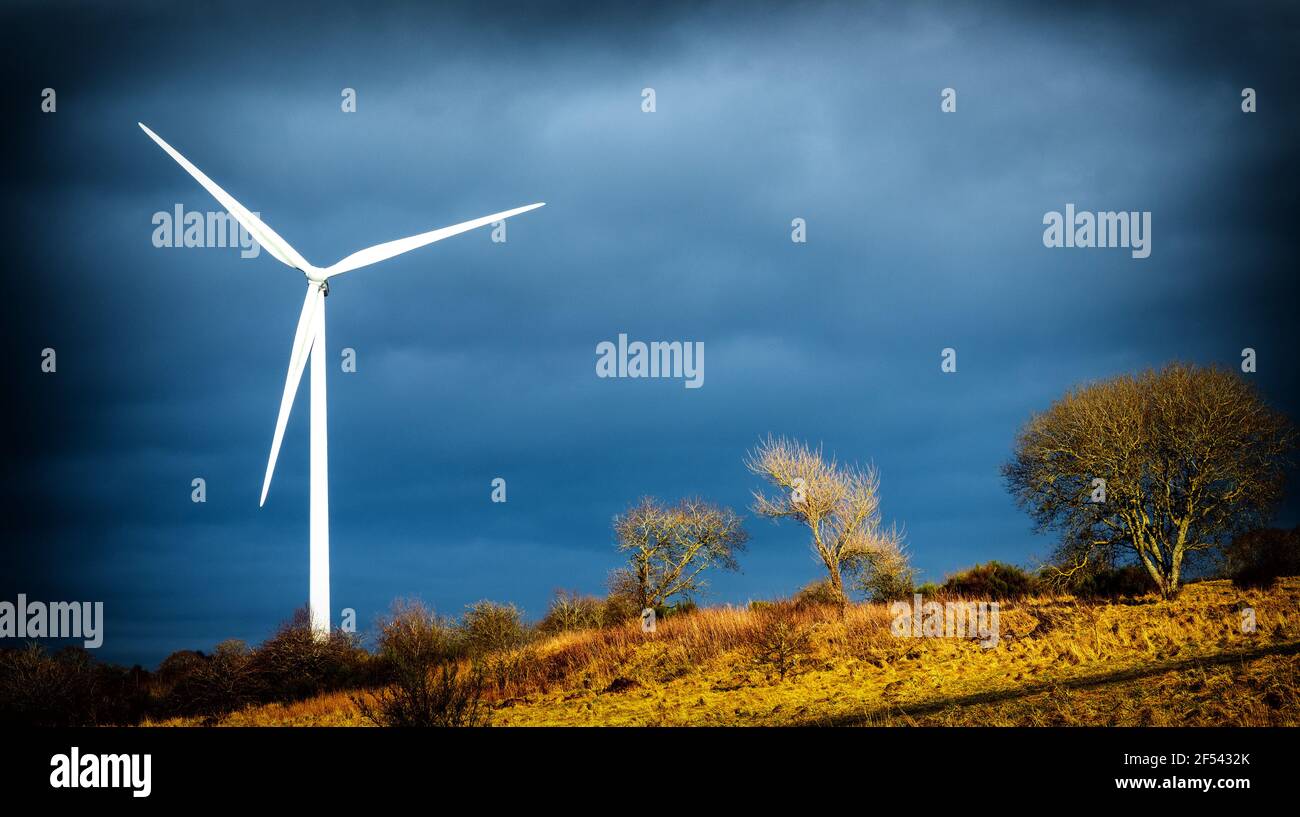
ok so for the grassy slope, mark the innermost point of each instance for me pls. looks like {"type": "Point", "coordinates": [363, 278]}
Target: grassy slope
{"type": "Point", "coordinates": [1060, 661]}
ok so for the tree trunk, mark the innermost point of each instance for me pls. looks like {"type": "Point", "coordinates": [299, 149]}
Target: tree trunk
{"type": "Point", "coordinates": [1175, 571]}
{"type": "Point", "coordinates": [1157, 575]}
{"type": "Point", "coordinates": [837, 582]}
{"type": "Point", "coordinates": [643, 583]}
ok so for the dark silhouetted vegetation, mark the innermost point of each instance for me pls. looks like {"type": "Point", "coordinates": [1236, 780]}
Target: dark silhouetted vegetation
{"type": "Point", "coordinates": [993, 581]}
{"type": "Point", "coordinates": [68, 688]}
{"type": "Point", "coordinates": [1108, 582]}
{"type": "Point", "coordinates": [1260, 557]}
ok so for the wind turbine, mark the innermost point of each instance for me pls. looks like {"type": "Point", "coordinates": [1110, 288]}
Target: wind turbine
{"type": "Point", "coordinates": [309, 340]}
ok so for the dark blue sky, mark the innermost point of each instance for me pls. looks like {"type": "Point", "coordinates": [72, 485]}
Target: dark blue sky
{"type": "Point", "coordinates": [477, 360]}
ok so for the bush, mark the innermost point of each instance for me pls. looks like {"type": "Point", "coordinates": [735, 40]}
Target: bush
{"type": "Point", "coordinates": [424, 684]}
{"type": "Point", "coordinates": [423, 696]}
{"type": "Point", "coordinates": [515, 667]}
{"type": "Point", "coordinates": [489, 627]}
{"type": "Point", "coordinates": [413, 635]}
{"type": "Point", "coordinates": [994, 581]}
{"type": "Point", "coordinates": [570, 611]}
{"type": "Point", "coordinates": [780, 642]}
{"type": "Point", "coordinates": [620, 608]}
{"type": "Point", "coordinates": [1110, 582]}
{"type": "Point", "coordinates": [177, 666]}
{"type": "Point", "coordinates": [682, 607]}
{"type": "Point", "coordinates": [928, 589]}
{"type": "Point", "coordinates": [816, 594]}
{"type": "Point", "coordinates": [294, 664]}
{"type": "Point", "coordinates": [68, 688]}
{"type": "Point", "coordinates": [38, 689]}
{"type": "Point", "coordinates": [1259, 558]}
{"type": "Point", "coordinates": [885, 574]}
{"type": "Point", "coordinates": [213, 685]}
{"type": "Point", "coordinates": [124, 695]}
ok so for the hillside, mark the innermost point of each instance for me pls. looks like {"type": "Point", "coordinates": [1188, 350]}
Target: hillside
{"type": "Point", "coordinates": [1059, 661]}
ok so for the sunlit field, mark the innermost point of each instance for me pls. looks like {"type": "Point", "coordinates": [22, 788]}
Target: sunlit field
{"type": "Point", "coordinates": [1059, 661]}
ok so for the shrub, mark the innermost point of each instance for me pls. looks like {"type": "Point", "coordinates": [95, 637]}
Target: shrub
{"type": "Point", "coordinates": [620, 608]}
{"type": "Point", "coordinates": [1259, 558]}
{"type": "Point", "coordinates": [38, 689]}
{"type": "Point", "coordinates": [177, 666]}
{"type": "Point", "coordinates": [816, 594]}
{"type": "Point", "coordinates": [780, 641]}
{"type": "Point", "coordinates": [884, 573]}
{"type": "Point", "coordinates": [662, 662]}
{"type": "Point", "coordinates": [489, 627]}
{"type": "Point", "coordinates": [424, 683]}
{"type": "Point", "coordinates": [682, 607]}
{"type": "Point", "coordinates": [570, 611]}
{"type": "Point", "coordinates": [413, 635]}
{"type": "Point", "coordinates": [928, 589]}
{"type": "Point", "coordinates": [423, 696]}
{"type": "Point", "coordinates": [294, 664]}
{"type": "Point", "coordinates": [995, 581]}
{"type": "Point", "coordinates": [1109, 582]}
{"type": "Point", "coordinates": [214, 685]}
{"type": "Point", "coordinates": [513, 667]}
{"type": "Point", "coordinates": [68, 688]}
{"type": "Point", "coordinates": [123, 695]}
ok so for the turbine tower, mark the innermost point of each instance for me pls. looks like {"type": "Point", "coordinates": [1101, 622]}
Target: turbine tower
{"type": "Point", "coordinates": [309, 341]}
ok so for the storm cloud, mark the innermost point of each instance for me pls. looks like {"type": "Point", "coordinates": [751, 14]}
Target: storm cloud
{"type": "Point", "coordinates": [476, 360]}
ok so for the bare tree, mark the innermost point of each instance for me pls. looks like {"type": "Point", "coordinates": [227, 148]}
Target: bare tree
{"type": "Point", "coordinates": [670, 546]}
{"type": "Point", "coordinates": [1156, 466]}
{"type": "Point", "coordinates": [840, 504]}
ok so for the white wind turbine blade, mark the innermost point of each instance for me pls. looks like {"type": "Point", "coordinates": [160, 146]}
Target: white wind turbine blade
{"type": "Point", "coordinates": [264, 235]}
{"type": "Point", "coordinates": [302, 342]}
{"type": "Point", "coordinates": [380, 252]}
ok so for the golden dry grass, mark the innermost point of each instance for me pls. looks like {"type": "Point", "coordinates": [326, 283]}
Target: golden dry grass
{"type": "Point", "coordinates": [1060, 661]}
